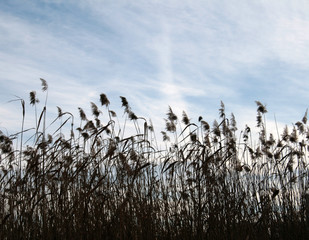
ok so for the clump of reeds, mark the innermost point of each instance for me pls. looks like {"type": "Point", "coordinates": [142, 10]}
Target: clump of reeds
{"type": "Point", "coordinates": [98, 183]}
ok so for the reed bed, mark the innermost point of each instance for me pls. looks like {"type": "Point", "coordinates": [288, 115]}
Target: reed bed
{"type": "Point", "coordinates": [98, 183]}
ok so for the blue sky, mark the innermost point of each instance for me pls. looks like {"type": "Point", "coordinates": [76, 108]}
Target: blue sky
{"type": "Point", "coordinates": [186, 54]}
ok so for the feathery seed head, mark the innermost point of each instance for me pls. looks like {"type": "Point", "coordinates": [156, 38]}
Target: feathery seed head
{"type": "Point", "coordinates": [124, 102]}
{"type": "Point", "coordinates": [170, 115]}
{"type": "Point", "coordinates": [165, 137]}
{"type": "Point", "coordinates": [95, 110]}
{"type": "Point", "coordinates": [44, 84]}
{"type": "Point", "coordinates": [261, 108]}
{"type": "Point", "coordinates": [205, 125]}
{"type": "Point", "coordinates": [113, 113]}
{"type": "Point", "coordinates": [104, 100]}
{"type": "Point", "coordinates": [185, 118]}
{"type": "Point", "coordinates": [132, 116]}
{"type": "Point", "coordinates": [33, 99]}
{"type": "Point", "coordinates": [222, 110]}
{"type": "Point", "coordinates": [82, 114]}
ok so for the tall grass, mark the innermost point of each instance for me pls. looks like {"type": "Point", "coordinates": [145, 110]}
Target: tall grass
{"type": "Point", "coordinates": [98, 183]}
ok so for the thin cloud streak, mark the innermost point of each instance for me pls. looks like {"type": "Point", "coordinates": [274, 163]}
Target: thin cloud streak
{"type": "Point", "coordinates": [189, 55]}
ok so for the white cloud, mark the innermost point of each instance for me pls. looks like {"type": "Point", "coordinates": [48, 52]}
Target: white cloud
{"type": "Point", "coordinates": [188, 54]}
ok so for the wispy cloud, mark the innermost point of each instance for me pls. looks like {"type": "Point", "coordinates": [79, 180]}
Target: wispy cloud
{"type": "Point", "coordinates": [186, 54]}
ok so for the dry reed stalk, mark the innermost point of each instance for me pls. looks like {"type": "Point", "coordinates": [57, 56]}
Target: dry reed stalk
{"type": "Point", "coordinates": [206, 184]}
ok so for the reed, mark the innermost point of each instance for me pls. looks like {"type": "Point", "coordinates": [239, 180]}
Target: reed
{"type": "Point", "coordinates": [98, 183]}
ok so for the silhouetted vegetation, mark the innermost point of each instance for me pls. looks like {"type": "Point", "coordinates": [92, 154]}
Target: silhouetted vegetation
{"type": "Point", "coordinates": [98, 183]}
